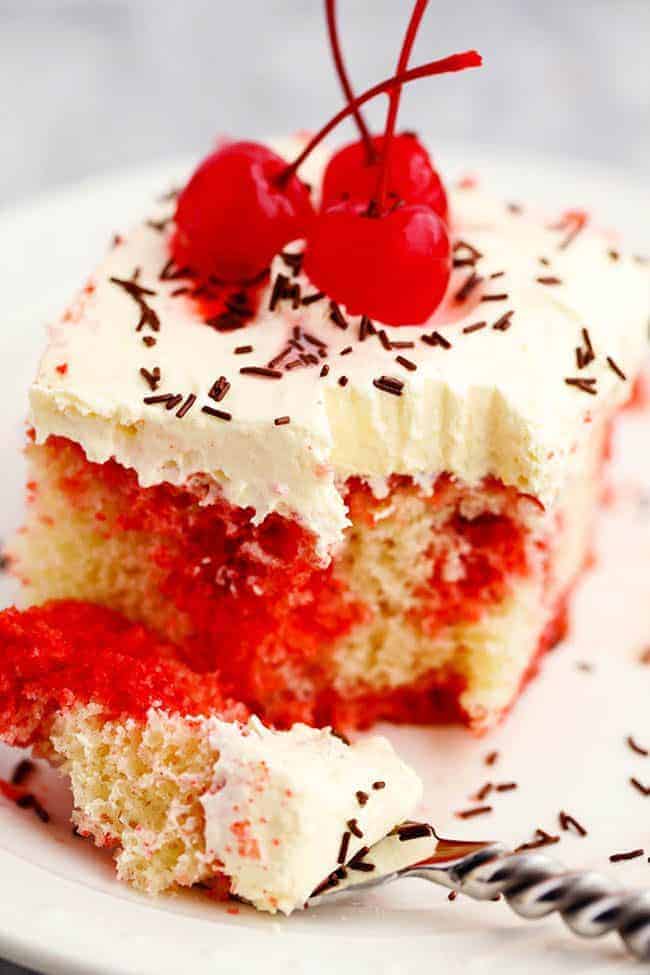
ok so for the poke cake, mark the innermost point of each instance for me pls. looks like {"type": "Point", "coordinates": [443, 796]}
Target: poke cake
{"type": "Point", "coordinates": [320, 442]}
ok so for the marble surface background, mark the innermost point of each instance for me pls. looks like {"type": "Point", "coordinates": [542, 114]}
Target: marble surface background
{"type": "Point", "coordinates": [92, 85]}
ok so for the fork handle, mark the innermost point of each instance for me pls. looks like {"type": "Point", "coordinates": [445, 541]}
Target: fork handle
{"type": "Point", "coordinates": [534, 886]}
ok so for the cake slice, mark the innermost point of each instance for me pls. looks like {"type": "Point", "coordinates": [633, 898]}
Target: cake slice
{"type": "Point", "coordinates": [346, 520]}
{"type": "Point", "coordinates": [182, 784]}
{"type": "Point", "coordinates": [305, 454]}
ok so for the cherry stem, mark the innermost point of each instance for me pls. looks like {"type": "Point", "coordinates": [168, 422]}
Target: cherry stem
{"type": "Point", "coordinates": [393, 107]}
{"type": "Point", "coordinates": [455, 62]}
{"type": "Point", "coordinates": [330, 10]}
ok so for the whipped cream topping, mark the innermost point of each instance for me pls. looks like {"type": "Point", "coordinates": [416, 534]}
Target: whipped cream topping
{"type": "Point", "coordinates": [283, 803]}
{"type": "Point", "coordinates": [495, 402]}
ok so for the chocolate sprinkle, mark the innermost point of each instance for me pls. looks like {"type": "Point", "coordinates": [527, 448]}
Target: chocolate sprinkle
{"type": "Point", "coordinates": [173, 402]}
{"type": "Point", "coordinates": [354, 828]}
{"type": "Point", "coordinates": [506, 786]}
{"type": "Point", "coordinates": [385, 341]}
{"type": "Point", "coordinates": [347, 350]}
{"type": "Point", "coordinates": [220, 414]}
{"type": "Point", "coordinates": [549, 279]}
{"type": "Point", "coordinates": [483, 792]}
{"type": "Point", "coordinates": [436, 339]}
{"type": "Point", "coordinates": [277, 292]}
{"type": "Point", "coordinates": [402, 345]}
{"type": "Point", "coordinates": [311, 299]}
{"type": "Point", "coordinates": [158, 225]}
{"type": "Point", "coordinates": [366, 328]}
{"type": "Point", "coordinates": [362, 797]}
{"type": "Point", "coordinates": [152, 378]}
{"type": "Point", "coordinates": [570, 824]}
{"type": "Point", "coordinates": [379, 785]}
{"type": "Point", "coordinates": [161, 398]}
{"type": "Point", "coordinates": [477, 326]}
{"type": "Point", "coordinates": [22, 771]}
{"type": "Point", "coordinates": [219, 389]}
{"type": "Point", "coordinates": [616, 368]}
{"type": "Point", "coordinates": [243, 349]}
{"type": "Point", "coordinates": [148, 316]}
{"type": "Point", "coordinates": [585, 355]}
{"type": "Point", "coordinates": [630, 855]}
{"type": "Point", "coordinates": [413, 831]}
{"type": "Point", "coordinates": [187, 406]}
{"type": "Point", "coordinates": [314, 340]}
{"type": "Point", "coordinates": [502, 296]}
{"type": "Point", "coordinates": [276, 360]}
{"type": "Point", "coordinates": [411, 366]}
{"type": "Point", "coordinates": [636, 747]}
{"type": "Point", "coordinates": [357, 861]}
{"type": "Point", "coordinates": [337, 316]}
{"type": "Point", "coordinates": [388, 384]}
{"type": "Point", "coordinates": [282, 421]}
{"type": "Point", "coordinates": [260, 371]}
{"type": "Point", "coordinates": [452, 895]}
{"type": "Point", "coordinates": [491, 758]}
{"type": "Point", "coordinates": [503, 324]}
{"type": "Point", "coordinates": [324, 371]}
{"type": "Point", "coordinates": [643, 789]}
{"type": "Point", "coordinates": [293, 261]}
{"type": "Point", "coordinates": [613, 254]}
{"type": "Point", "coordinates": [463, 245]}
{"type": "Point", "coordinates": [343, 381]}
{"type": "Point", "coordinates": [29, 801]}
{"type": "Point", "coordinates": [343, 848]}
{"type": "Point", "coordinates": [475, 811]}
{"type": "Point", "coordinates": [472, 281]}
{"type": "Point", "coordinates": [584, 385]}
{"type": "Point", "coordinates": [542, 838]}
{"type": "Point", "coordinates": [148, 340]}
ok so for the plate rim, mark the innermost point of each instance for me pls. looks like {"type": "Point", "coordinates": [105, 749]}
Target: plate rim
{"type": "Point", "coordinates": [23, 939]}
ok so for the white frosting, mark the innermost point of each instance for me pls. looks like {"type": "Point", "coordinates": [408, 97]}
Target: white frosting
{"type": "Point", "coordinates": [281, 801]}
{"type": "Point", "coordinates": [496, 403]}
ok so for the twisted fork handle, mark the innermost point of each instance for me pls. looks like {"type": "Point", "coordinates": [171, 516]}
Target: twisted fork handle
{"type": "Point", "coordinates": [534, 885]}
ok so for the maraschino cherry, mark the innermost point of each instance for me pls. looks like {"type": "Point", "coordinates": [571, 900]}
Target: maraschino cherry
{"type": "Point", "coordinates": [393, 268]}
{"type": "Point", "coordinates": [353, 171]}
{"type": "Point", "coordinates": [244, 202]}
{"type": "Point", "coordinates": [235, 213]}
{"type": "Point", "coordinates": [383, 258]}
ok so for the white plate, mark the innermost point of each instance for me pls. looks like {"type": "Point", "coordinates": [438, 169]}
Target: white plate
{"type": "Point", "coordinates": [61, 909]}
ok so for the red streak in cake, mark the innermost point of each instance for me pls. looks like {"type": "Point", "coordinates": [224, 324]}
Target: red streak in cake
{"type": "Point", "coordinates": [251, 604]}
{"type": "Point", "coordinates": [66, 653]}
{"type": "Point", "coordinates": [253, 600]}
{"type": "Point", "coordinates": [251, 613]}
{"type": "Point", "coordinates": [494, 552]}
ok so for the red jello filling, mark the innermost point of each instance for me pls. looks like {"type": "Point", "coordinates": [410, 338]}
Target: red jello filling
{"type": "Point", "coordinates": [66, 653]}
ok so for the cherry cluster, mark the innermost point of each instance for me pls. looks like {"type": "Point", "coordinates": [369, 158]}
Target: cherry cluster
{"type": "Point", "coordinates": [378, 243]}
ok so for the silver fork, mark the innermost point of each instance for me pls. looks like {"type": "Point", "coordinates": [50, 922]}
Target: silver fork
{"type": "Point", "coordinates": [532, 883]}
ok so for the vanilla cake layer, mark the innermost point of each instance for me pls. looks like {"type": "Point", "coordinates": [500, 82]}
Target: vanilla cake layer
{"type": "Point", "coordinates": [191, 800]}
